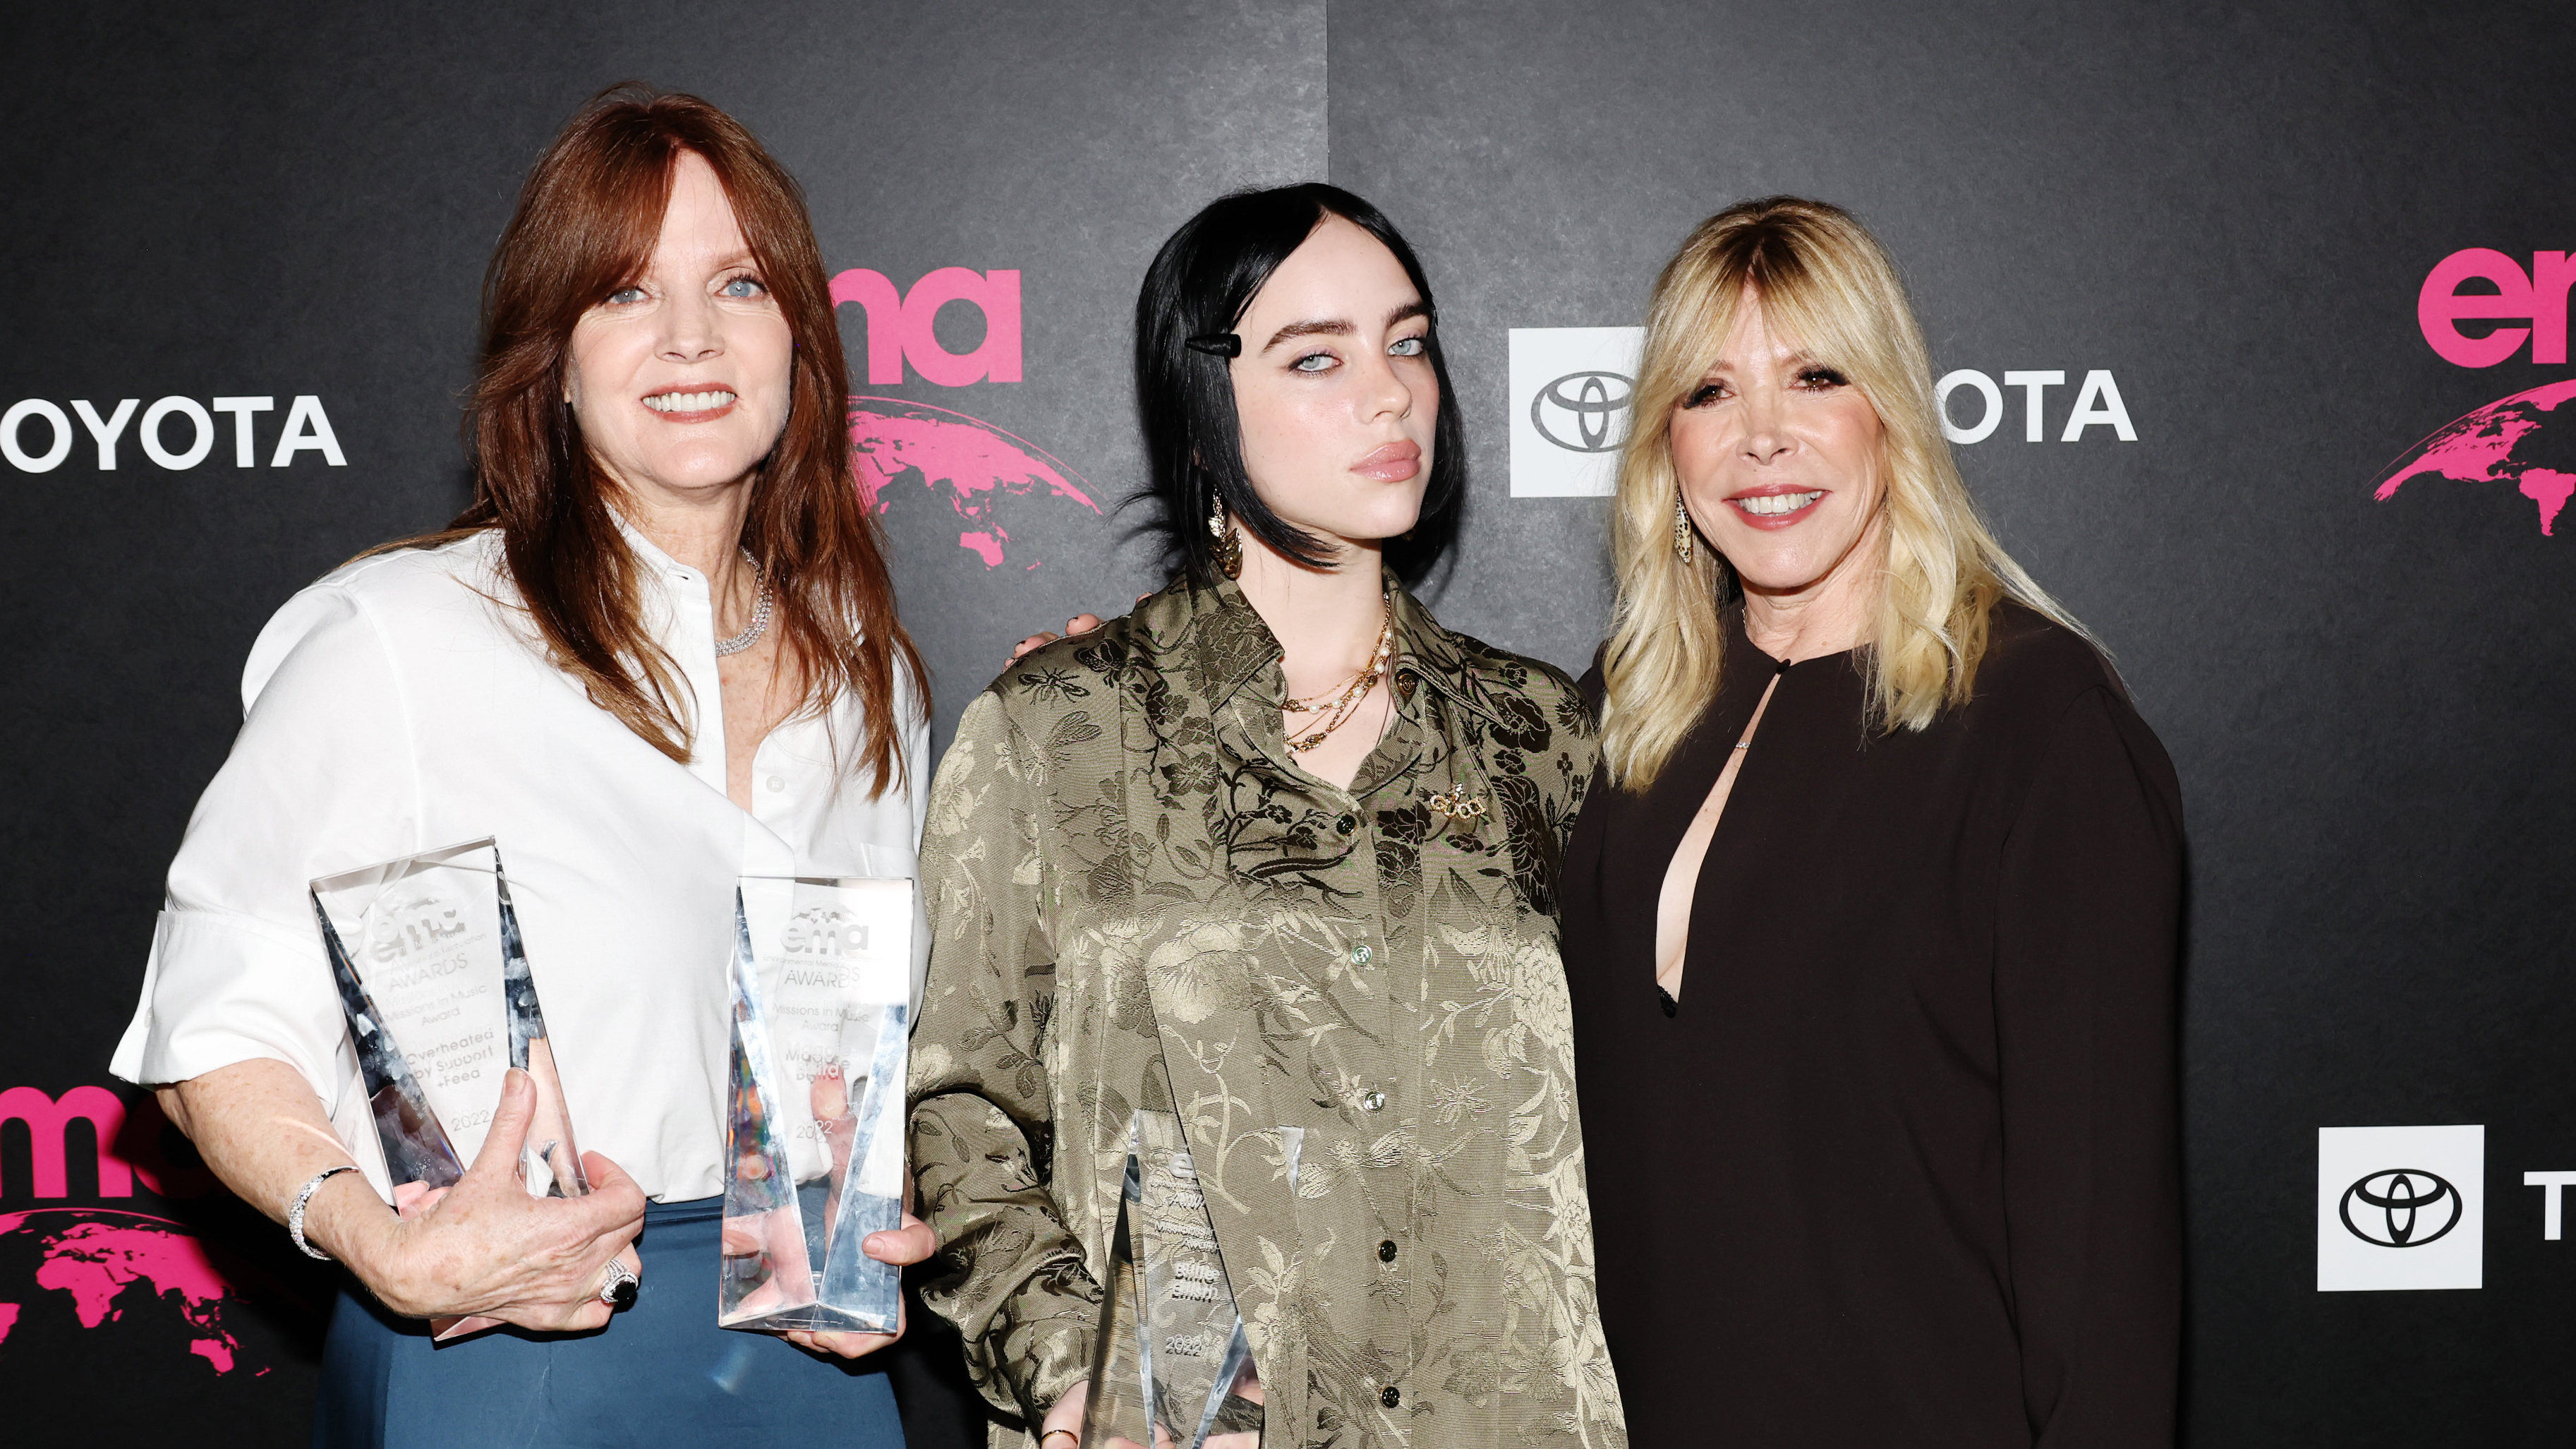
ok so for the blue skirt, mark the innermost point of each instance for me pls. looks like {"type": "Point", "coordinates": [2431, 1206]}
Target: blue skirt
{"type": "Point", "coordinates": [660, 1373]}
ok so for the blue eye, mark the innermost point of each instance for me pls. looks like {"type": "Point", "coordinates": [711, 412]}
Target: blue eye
{"type": "Point", "coordinates": [1314, 362]}
{"type": "Point", "coordinates": [742, 288]}
{"type": "Point", "coordinates": [1409, 347]}
{"type": "Point", "coordinates": [624, 295]}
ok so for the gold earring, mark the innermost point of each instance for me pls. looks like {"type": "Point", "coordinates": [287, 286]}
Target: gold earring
{"type": "Point", "coordinates": [1681, 528]}
{"type": "Point", "coordinates": [1229, 544]}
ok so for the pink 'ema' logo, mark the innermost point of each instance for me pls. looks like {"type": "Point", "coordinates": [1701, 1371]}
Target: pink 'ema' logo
{"type": "Point", "coordinates": [2510, 440]}
{"type": "Point", "coordinates": [110, 1262]}
{"type": "Point", "coordinates": [2507, 441]}
{"type": "Point", "coordinates": [987, 476]}
{"type": "Point", "coordinates": [67, 1269]}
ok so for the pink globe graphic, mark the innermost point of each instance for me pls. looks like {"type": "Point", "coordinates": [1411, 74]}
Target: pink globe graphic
{"type": "Point", "coordinates": [75, 1270]}
{"type": "Point", "coordinates": [999, 485]}
{"type": "Point", "coordinates": [2525, 440]}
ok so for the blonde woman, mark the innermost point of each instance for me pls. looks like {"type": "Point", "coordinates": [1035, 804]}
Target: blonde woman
{"type": "Point", "coordinates": [1873, 915]}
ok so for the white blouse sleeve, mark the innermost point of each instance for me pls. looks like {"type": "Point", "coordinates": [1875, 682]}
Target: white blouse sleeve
{"type": "Point", "coordinates": [320, 779]}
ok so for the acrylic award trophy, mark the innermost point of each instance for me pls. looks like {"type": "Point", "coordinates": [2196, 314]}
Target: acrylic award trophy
{"type": "Point", "coordinates": [435, 985]}
{"type": "Point", "coordinates": [822, 990]}
{"type": "Point", "coordinates": [1171, 1365]}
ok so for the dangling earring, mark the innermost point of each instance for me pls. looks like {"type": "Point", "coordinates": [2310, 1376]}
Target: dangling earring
{"type": "Point", "coordinates": [1229, 544]}
{"type": "Point", "coordinates": [1681, 528]}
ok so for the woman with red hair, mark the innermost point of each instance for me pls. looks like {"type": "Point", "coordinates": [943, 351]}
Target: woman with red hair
{"type": "Point", "coordinates": [657, 652]}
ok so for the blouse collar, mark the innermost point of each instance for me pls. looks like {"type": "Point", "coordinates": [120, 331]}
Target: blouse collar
{"type": "Point", "coordinates": [1225, 646]}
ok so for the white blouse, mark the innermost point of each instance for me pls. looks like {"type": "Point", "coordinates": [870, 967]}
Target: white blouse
{"type": "Point", "coordinates": [394, 707]}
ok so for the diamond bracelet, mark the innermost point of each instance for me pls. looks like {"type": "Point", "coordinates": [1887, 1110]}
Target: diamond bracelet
{"type": "Point", "coordinates": [304, 1198]}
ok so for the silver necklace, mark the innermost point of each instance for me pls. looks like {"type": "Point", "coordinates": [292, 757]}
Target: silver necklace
{"type": "Point", "coordinates": [759, 613]}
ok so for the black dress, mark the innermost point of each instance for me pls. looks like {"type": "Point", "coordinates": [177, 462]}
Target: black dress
{"type": "Point", "coordinates": [1901, 1168]}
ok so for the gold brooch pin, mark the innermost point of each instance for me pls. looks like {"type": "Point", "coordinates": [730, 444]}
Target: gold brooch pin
{"type": "Point", "coordinates": [1458, 808]}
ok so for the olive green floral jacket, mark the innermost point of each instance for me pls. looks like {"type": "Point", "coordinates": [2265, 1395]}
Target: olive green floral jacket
{"type": "Point", "coordinates": [1138, 901]}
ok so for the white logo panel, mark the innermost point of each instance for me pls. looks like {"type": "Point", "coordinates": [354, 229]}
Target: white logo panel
{"type": "Point", "coordinates": [1570, 392]}
{"type": "Point", "coordinates": [2401, 1208]}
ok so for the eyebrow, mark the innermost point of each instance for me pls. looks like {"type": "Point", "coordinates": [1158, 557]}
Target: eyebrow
{"type": "Point", "coordinates": [1336, 327]}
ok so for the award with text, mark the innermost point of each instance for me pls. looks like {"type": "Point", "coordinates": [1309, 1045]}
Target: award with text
{"type": "Point", "coordinates": [822, 978]}
{"type": "Point", "coordinates": [440, 1003]}
{"type": "Point", "coordinates": [1171, 1365]}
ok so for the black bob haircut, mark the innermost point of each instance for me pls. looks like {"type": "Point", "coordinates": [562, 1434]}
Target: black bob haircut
{"type": "Point", "coordinates": [1198, 286]}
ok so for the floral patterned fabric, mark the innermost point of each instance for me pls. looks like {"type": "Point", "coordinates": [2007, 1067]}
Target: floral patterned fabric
{"type": "Point", "coordinates": [1139, 901]}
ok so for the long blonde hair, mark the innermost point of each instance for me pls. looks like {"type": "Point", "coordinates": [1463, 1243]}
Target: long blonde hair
{"type": "Point", "coordinates": [1824, 280]}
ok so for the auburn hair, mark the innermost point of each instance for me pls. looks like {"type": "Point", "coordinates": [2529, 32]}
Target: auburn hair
{"type": "Point", "coordinates": [1823, 279]}
{"type": "Point", "coordinates": [587, 223]}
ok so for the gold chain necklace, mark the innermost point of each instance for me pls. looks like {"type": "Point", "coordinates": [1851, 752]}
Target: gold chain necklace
{"type": "Point", "coordinates": [1339, 710]}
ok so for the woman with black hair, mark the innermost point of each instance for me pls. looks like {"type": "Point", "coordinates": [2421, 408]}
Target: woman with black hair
{"type": "Point", "coordinates": [1273, 856]}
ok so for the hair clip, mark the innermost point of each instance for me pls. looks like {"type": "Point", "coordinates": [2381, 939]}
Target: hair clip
{"type": "Point", "coordinates": [1217, 344]}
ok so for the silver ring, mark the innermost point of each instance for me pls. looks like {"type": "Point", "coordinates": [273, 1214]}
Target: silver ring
{"type": "Point", "coordinates": [619, 1290]}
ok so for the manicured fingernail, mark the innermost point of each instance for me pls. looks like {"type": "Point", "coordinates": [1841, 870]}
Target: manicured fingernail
{"type": "Point", "coordinates": [514, 1082]}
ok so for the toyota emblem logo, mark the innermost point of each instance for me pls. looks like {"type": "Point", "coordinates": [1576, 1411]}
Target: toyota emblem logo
{"type": "Point", "coordinates": [1576, 412]}
{"type": "Point", "coordinates": [2403, 1207]}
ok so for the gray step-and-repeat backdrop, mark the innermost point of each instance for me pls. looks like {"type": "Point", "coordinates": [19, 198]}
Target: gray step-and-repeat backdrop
{"type": "Point", "coordinates": [2253, 326]}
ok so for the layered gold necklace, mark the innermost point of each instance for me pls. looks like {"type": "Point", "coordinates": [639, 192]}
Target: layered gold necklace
{"type": "Point", "coordinates": [1339, 708]}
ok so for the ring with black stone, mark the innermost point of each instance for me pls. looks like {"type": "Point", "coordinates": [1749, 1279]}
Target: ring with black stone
{"type": "Point", "coordinates": [619, 1291]}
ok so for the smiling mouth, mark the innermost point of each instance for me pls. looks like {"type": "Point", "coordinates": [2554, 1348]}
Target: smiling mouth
{"type": "Point", "coordinates": [1774, 505]}
{"type": "Point", "coordinates": [690, 402]}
